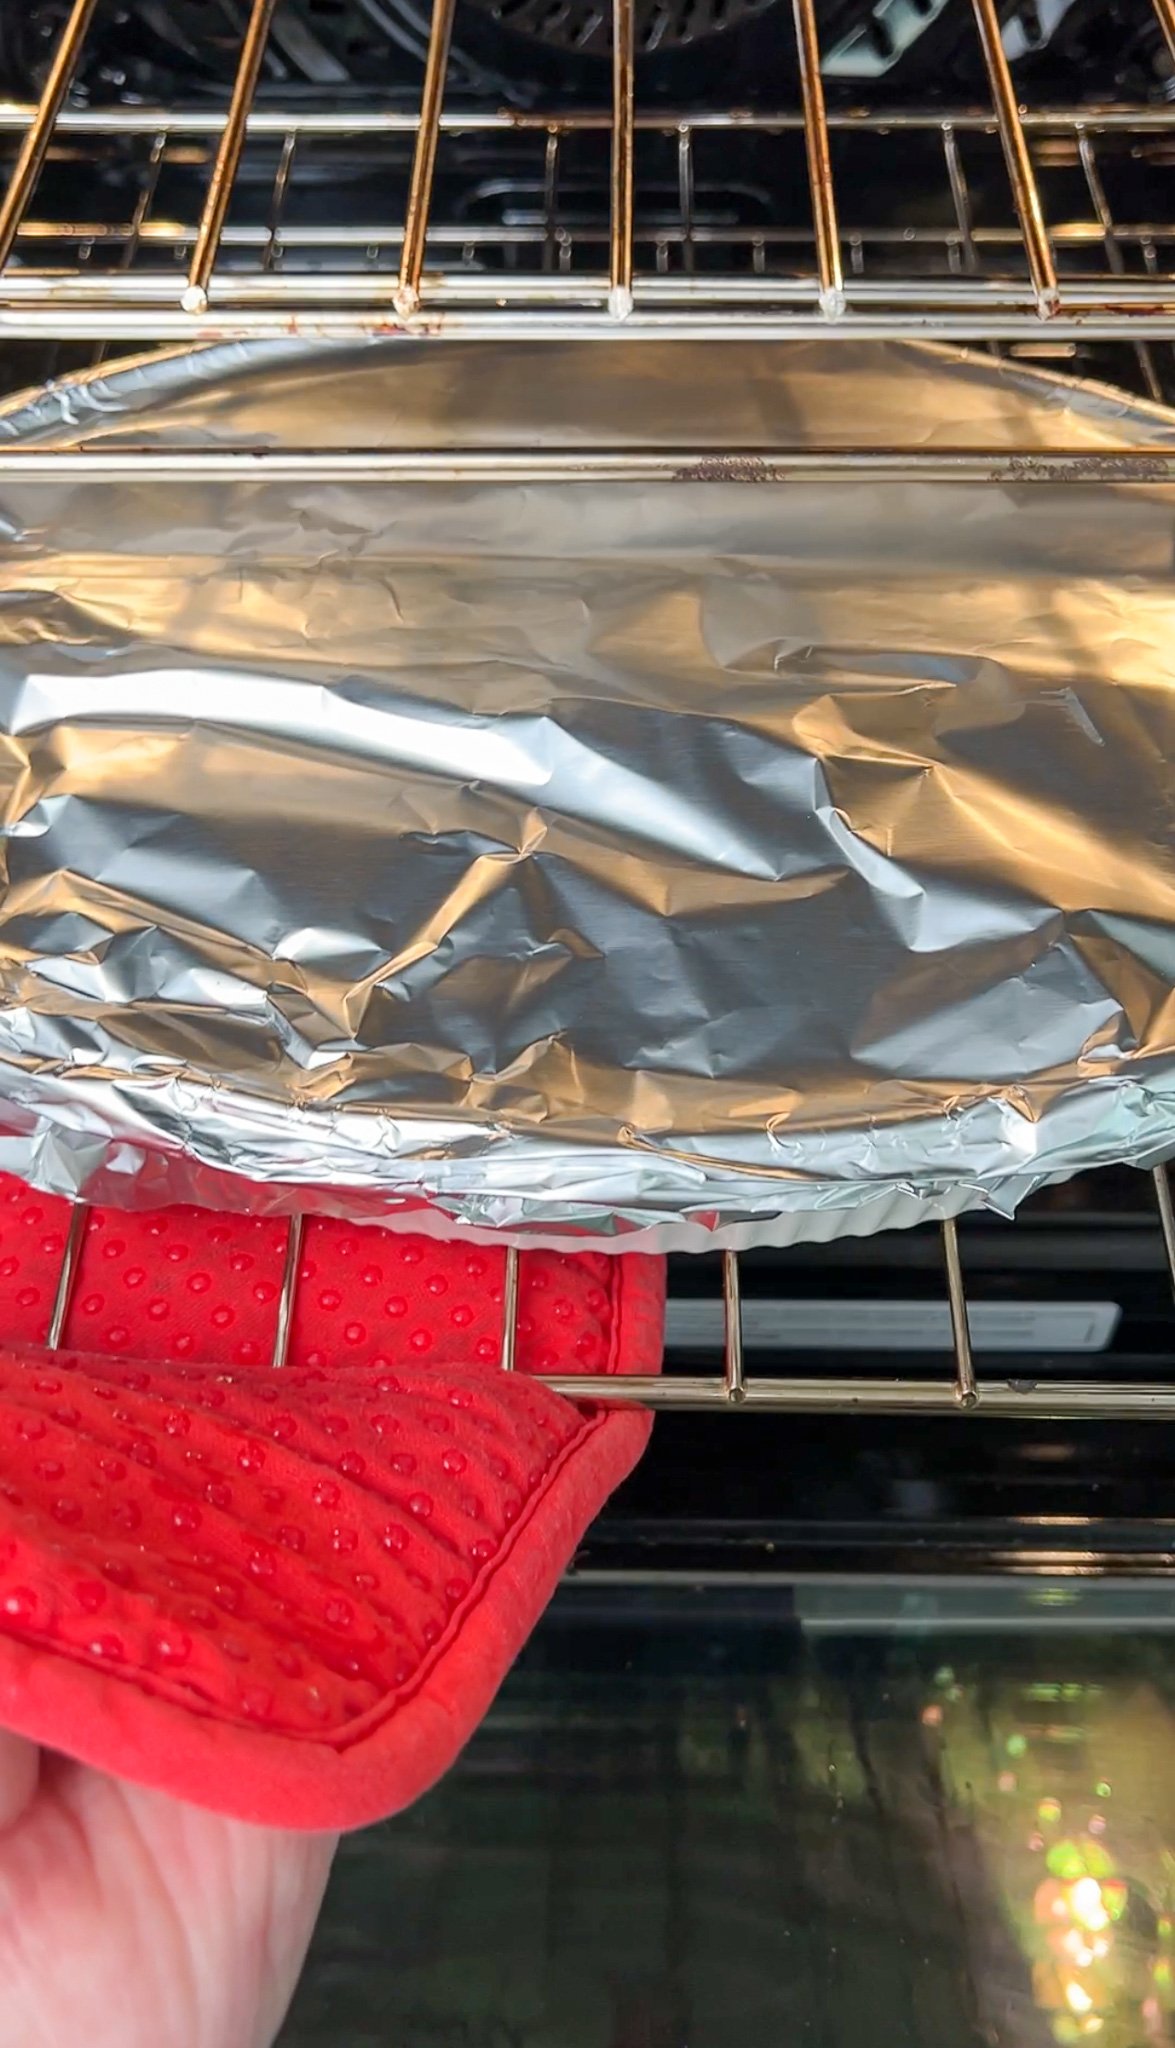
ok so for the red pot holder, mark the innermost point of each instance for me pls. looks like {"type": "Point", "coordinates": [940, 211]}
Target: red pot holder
{"type": "Point", "coordinates": [289, 1595]}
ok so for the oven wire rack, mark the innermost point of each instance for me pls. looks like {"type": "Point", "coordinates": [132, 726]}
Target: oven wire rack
{"type": "Point", "coordinates": [733, 1389]}
{"type": "Point", "coordinates": [971, 274]}
{"type": "Point", "coordinates": [1030, 281]}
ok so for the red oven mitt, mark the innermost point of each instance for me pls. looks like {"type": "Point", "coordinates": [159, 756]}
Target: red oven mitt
{"type": "Point", "coordinates": [289, 1595]}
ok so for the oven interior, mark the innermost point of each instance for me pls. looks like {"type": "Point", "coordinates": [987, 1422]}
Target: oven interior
{"type": "Point", "coordinates": [840, 1669]}
{"type": "Point", "coordinates": [955, 170]}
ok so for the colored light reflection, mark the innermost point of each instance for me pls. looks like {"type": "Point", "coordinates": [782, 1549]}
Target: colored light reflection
{"type": "Point", "coordinates": [1092, 1906]}
{"type": "Point", "coordinates": [1087, 1906]}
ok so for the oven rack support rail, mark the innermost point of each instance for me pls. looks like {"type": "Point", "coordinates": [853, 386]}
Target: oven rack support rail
{"type": "Point", "coordinates": [146, 464]}
{"type": "Point", "coordinates": [1029, 271]}
{"type": "Point", "coordinates": [732, 1389]}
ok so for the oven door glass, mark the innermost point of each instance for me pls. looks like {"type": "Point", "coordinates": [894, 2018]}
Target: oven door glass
{"type": "Point", "coordinates": [913, 1813]}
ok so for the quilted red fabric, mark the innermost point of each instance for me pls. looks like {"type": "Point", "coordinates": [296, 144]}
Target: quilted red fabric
{"type": "Point", "coordinates": [289, 1595]}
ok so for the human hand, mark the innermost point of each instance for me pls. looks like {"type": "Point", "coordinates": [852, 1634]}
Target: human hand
{"type": "Point", "coordinates": [131, 1920]}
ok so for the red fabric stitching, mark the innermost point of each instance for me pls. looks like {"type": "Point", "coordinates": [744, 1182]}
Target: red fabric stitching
{"type": "Point", "coordinates": [539, 1468]}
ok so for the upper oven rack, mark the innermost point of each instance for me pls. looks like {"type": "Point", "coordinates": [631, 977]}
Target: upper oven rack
{"type": "Point", "coordinates": [1054, 260]}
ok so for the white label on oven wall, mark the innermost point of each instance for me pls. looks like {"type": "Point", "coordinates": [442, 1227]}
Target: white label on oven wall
{"type": "Point", "coordinates": [780, 1325]}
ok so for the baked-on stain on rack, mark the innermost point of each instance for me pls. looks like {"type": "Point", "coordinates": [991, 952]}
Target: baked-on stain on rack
{"type": "Point", "coordinates": [733, 1390]}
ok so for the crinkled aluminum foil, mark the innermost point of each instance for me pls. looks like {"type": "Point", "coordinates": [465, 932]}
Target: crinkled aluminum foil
{"type": "Point", "coordinates": [594, 858]}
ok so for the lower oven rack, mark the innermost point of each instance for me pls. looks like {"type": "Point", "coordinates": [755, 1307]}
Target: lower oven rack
{"type": "Point", "coordinates": [733, 1389]}
{"type": "Point", "coordinates": [1034, 226]}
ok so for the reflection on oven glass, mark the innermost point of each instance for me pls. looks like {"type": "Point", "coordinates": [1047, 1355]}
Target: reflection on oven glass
{"type": "Point", "coordinates": [1067, 1787]}
{"type": "Point", "coordinates": [692, 1825]}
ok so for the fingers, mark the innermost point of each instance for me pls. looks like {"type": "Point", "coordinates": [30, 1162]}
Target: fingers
{"type": "Point", "coordinates": [20, 1764]}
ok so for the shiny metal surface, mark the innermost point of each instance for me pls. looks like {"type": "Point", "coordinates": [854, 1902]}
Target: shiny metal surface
{"type": "Point", "coordinates": [37, 137]}
{"type": "Point", "coordinates": [676, 861]}
{"type": "Point", "coordinates": [966, 1390]}
{"type": "Point", "coordinates": [817, 145]}
{"type": "Point", "coordinates": [63, 1292]}
{"type": "Point", "coordinates": [407, 297]}
{"type": "Point", "coordinates": [1021, 174]}
{"type": "Point", "coordinates": [509, 1311]}
{"type": "Point", "coordinates": [621, 166]}
{"type": "Point", "coordinates": [1045, 272]}
{"type": "Point", "coordinates": [733, 1364]}
{"type": "Point", "coordinates": [1165, 10]}
{"type": "Point", "coordinates": [285, 1302]}
{"type": "Point", "coordinates": [695, 465]}
{"type": "Point", "coordinates": [228, 158]}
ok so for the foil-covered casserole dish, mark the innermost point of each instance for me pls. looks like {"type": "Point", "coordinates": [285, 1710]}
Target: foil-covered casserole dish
{"type": "Point", "coordinates": [710, 859]}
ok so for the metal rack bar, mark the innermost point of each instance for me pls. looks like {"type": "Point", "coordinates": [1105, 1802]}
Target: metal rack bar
{"type": "Point", "coordinates": [245, 237]}
{"type": "Point", "coordinates": [1165, 10]}
{"type": "Point", "coordinates": [1146, 467]}
{"type": "Point", "coordinates": [67, 1274]}
{"type": "Point", "coordinates": [281, 185]}
{"type": "Point", "coordinates": [914, 299]}
{"type": "Point", "coordinates": [509, 1310]}
{"type": "Point", "coordinates": [621, 194]}
{"type": "Point", "coordinates": [1016, 153]}
{"type": "Point", "coordinates": [33, 150]}
{"type": "Point", "coordinates": [228, 158]}
{"type": "Point", "coordinates": [285, 1299]}
{"type": "Point", "coordinates": [685, 194]}
{"type": "Point", "coordinates": [137, 322]}
{"type": "Point", "coordinates": [819, 154]}
{"type": "Point", "coordinates": [274, 122]}
{"type": "Point", "coordinates": [949, 294]}
{"type": "Point", "coordinates": [960, 195]}
{"type": "Point", "coordinates": [550, 197]}
{"type": "Point", "coordinates": [966, 1391]}
{"type": "Point", "coordinates": [1048, 1399]}
{"type": "Point", "coordinates": [1166, 1209]}
{"type": "Point", "coordinates": [143, 205]}
{"type": "Point", "coordinates": [733, 1372]}
{"type": "Point", "coordinates": [424, 161]}
{"type": "Point", "coordinates": [1097, 192]}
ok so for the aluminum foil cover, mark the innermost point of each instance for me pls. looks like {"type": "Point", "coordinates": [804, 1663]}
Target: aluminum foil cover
{"type": "Point", "coordinates": [653, 862]}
